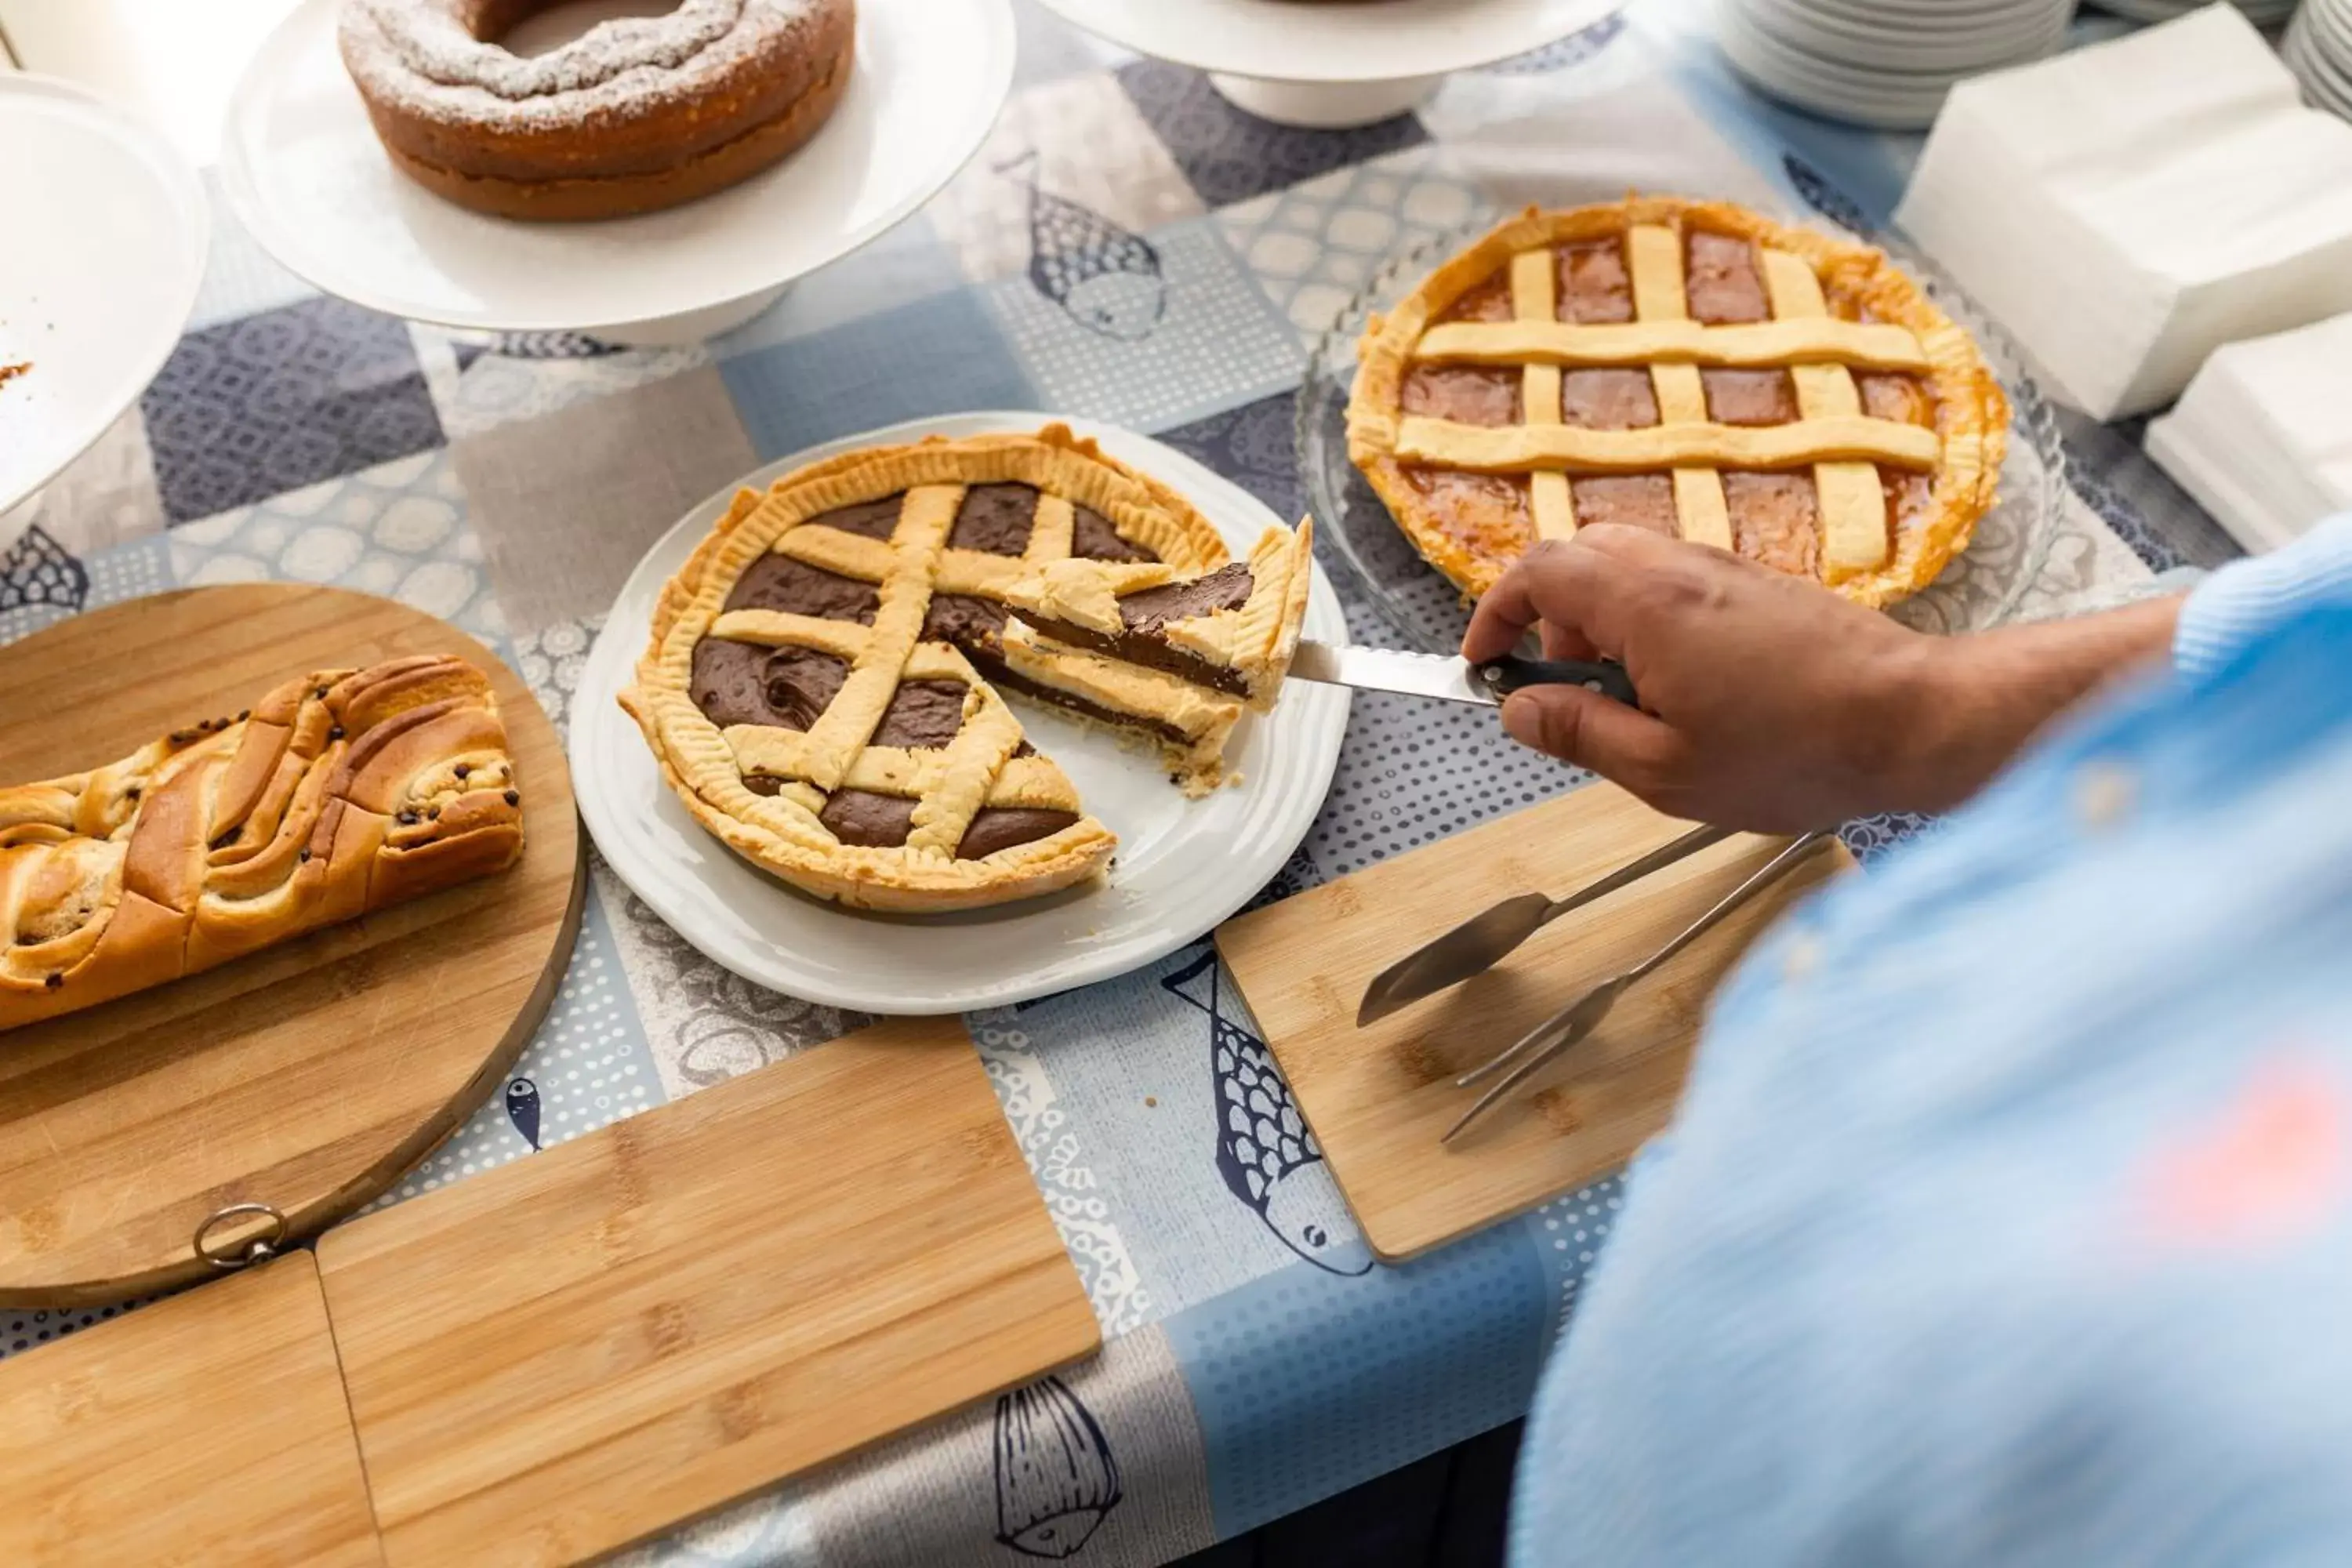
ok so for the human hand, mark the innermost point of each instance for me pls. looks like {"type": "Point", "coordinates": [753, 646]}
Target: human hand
{"type": "Point", "coordinates": [1767, 702]}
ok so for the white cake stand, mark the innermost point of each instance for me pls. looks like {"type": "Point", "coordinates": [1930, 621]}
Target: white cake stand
{"type": "Point", "coordinates": [1332, 63]}
{"type": "Point", "coordinates": [304, 172]}
{"type": "Point", "coordinates": [102, 230]}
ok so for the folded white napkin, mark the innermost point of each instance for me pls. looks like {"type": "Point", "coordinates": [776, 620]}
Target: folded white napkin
{"type": "Point", "coordinates": [2263, 437]}
{"type": "Point", "coordinates": [2127, 208]}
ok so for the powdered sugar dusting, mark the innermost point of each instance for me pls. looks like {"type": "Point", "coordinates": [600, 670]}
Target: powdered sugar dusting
{"type": "Point", "coordinates": [417, 55]}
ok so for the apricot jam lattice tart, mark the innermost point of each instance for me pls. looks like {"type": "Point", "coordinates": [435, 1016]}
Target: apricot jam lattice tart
{"type": "Point", "coordinates": [1687, 366]}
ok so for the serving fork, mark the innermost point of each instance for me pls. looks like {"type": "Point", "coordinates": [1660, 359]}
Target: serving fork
{"type": "Point", "coordinates": [1547, 1040]}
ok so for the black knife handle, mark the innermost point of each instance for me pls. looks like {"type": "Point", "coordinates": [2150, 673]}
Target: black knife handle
{"type": "Point", "coordinates": [1506, 674]}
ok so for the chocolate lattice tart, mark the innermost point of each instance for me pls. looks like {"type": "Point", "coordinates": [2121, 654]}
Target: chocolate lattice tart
{"type": "Point", "coordinates": [1690, 367]}
{"type": "Point", "coordinates": [823, 683]}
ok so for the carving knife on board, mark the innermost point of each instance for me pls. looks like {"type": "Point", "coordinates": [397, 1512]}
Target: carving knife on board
{"type": "Point", "coordinates": [1453, 679]}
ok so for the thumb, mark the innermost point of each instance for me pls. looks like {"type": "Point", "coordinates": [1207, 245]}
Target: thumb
{"type": "Point", "coordinates": [1621, 744]}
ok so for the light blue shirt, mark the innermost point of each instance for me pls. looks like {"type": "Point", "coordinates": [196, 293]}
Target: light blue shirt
{"type": "Point", "coordinates": [2008, 1216]}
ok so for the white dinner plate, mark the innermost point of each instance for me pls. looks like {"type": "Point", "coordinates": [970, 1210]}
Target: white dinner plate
{"type": "Point", "coordinates": [1286, 41]}
{"type": "Point", "coordinates": [103, 232]}
{"type": "Point", "coordinates": [2324, 78]}
{"type": "Point", "coordinates": [1798, 82]}
{"type": "Point", "coordinates": [2328, 35]}
{"type": "Point", "coordinates": [1182, 865]}
{"type": "Point", "coordinates": [1934, 17]}
{"type": "Point", "coordinates": [1849, 78]}
{"type": "Point", "coordinates": [1899, 50]}
{"type": "Point", "coordinates": [306, 174]}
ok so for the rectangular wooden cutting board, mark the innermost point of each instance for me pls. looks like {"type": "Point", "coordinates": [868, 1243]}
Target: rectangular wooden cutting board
{"type": "Point", "coordinates": [1378, 1099]}
{"type": "Point", "coordinates": [207, 1428]}
{"type": "Point", "coordinates": [598, 1343]}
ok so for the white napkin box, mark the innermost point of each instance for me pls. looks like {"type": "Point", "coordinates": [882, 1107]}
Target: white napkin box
{"type": "Point", "coordinates": [2128, 208]}
{"type": "Point", "coordinates": [2263, 437]}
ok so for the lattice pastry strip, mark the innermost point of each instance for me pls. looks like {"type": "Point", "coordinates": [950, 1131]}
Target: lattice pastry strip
{"type": "Point", "coordinates": [1654, 258]}
{"type": "Point", "coordinates": [1852, 504]}
{"type": "Point", "coordinates": [1535, 298]}
{"type": "Point", "coordinates": [337, 793]}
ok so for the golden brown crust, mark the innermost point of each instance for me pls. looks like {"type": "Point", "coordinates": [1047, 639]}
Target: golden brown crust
{"type": "Point", "coordinates": [340, 792]}
{"type": "Point", "coordinates": [707, 765]}
{"type": "Point", "coordinates": [1972, 415]}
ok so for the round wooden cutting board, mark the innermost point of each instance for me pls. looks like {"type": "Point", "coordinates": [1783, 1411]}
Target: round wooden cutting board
{"type": "Point", "coordinates": [307, 1075]}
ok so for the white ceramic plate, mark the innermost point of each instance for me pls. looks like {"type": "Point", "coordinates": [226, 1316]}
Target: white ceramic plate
{"type": "Point", "coordinates": [307, 176]}
{"type": "Point", "coordinates": [1286, 41]}
{"type": "Point", "coordinates": [1848, 76]}
{"type": "Point", "coordinates": [1934, 18]}
{"type": "Point", "coordinates": [1784, 77]}
{"type": "Point", "coordinates": [2324, 80]}
{"type": "Point", "coordinates": [1182, 865]}
{"type": "Point", "coordinates": [103, 232]}
{"type": "Point", "coordinates": [1898, 49]}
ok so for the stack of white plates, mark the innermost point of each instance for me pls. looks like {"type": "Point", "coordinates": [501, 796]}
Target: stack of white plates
{"type": "Point", "coordinates": [1882, 62]}
{"type": "Point", "coordinates": [2261, 12]}
{"type": "Point", "coordinates": [2318, 49]}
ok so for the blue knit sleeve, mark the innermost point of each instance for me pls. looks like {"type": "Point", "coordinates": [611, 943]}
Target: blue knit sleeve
{"type": "Point", "coordinates": [2242, 599]}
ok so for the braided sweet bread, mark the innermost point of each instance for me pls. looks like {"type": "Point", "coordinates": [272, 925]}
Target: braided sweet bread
{"type": "Point", "coordinates": [338, 794]}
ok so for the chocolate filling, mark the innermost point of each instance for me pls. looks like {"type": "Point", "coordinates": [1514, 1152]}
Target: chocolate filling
{"type": "Point", "coordinates": [997, 519]}
{"type": "Point", "coordinates": [867, 520]}
{"type": "Point", "coordinates": [744, 683]}
{"type": "Point", "coordinates": [1148, 615]}
{"type": "Point", "coordinates": [869, 820]}
{"type": "Point", "coordinates": [995, 827]}
{"type": "Point", "coordinates": [923, 714]}
{"type": "Point", "coordinates": [969, 623]}
{"type": "Point", "coordinates": [1092, 538]}
{"type": "Point", "coordinates": [1010, 681]}
{"type": "Point", "coordinates": [1148, 612]}
{"type": "Point", "coordinates": [794, 588]}
{"type": "Point", "coordinates": [1149, 650]}
{"type": "Point", "coordinates": [874, 821]}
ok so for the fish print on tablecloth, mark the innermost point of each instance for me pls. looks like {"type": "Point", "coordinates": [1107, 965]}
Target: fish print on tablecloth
{"type": "Point", "coordinates": [534, 345]}
{"type": "Point", "coordinates": [522, 1110]}
{"type": "Point", "coordinates": [1056, 1479]}
{"type": "Point", "coordinates": [37, 569]}
{"type": "Point", "coordinates": [1823, 196]}
{"type": "Point", "coordinates": [1560, 54]}
{"type": "Point", "coordinates": [1106, 278]}
{"type": "Point", "coordinates": [1264, 1149]}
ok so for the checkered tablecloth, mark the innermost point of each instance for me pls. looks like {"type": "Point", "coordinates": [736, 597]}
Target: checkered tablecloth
{"type": "Point", "coordinates": [1129, 247]}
